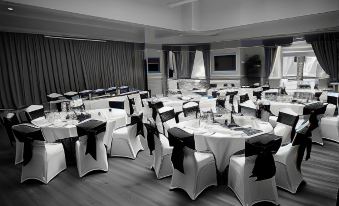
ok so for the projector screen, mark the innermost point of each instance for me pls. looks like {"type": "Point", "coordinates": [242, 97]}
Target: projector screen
{"type": "Point", "coordinates": [225, 63]}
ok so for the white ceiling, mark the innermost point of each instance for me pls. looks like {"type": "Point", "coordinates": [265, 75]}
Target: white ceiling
{"type": "Point", "coordinates": [156, 22]}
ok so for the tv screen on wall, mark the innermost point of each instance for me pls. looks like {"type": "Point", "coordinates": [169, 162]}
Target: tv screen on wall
{"type": "Point", "coordinates": [225, 63]}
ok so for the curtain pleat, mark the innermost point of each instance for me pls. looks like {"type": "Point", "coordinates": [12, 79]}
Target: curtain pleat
{"type": "Point", "coordinates": [33, 66]}
{"type": "Point", "coordinates": [326, 49]}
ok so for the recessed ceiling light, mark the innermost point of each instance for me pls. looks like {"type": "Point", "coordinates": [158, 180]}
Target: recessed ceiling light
{"type": "Point", "coordinates": [10, 8]}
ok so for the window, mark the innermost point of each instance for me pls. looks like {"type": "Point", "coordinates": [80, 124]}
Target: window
{"type": "Point", "coordinates": [225, 63]}
{"type": "Point", "coordinates": [154, 65]}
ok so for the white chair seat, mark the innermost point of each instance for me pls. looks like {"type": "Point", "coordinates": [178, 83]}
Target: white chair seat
{"type": "Point", "coordinates": [85, 162]}
{"type": "Point", "coordinates": [329, 127]}
{"type": "Point", "coordinates": [273, 120]}
{"type": "Point", "coordinates": [48, 160]}
{"type": "Point", "coordinates": [162, 157]}
{"type": "Point", "coordinates": [125, 142]}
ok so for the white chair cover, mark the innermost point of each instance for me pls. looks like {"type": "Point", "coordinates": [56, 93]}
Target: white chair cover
{"type": "Point", "coordinates": [162, 157]}
{"type": "Point", "coordinates": [247, 189]}
{"type": "Point", "coordinates": [125, 142]}
{"type": "Point", "coordinates": [329, 127]}
{"type": "Point", "coordinates": [200, 173]}
{"type": "Point", "coordinates": [85, 162]}
{"type": "Point", "coordinates": [208, 105]}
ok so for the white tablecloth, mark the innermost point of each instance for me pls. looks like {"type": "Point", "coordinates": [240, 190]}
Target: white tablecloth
{"type": "Point", "coordinates": [276, 106]}
{"type": "Point", "coordinates": [103, 103]}
{"type": "Point", "coordinates": [221, 141]}
{"type": "Point", "coordinates": [62, 129]}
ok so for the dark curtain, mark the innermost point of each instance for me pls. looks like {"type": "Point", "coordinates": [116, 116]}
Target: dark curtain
{"type": "Point", "coordinates": [184, 62]}
{"type": "Point", "coordinates": [326, 49]}
{"type": "Point", "coordinates": [269, 59]}
{"type": "Point", "coordinates": [165, 73]}
{"type": "Point", "coordinates": [33, 66]}
{"type": "Point", "coordinates": [206, 55]}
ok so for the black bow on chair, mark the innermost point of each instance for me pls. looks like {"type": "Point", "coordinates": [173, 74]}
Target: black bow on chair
{"type": "Point", "coordinates": [27, 133]}
{"type": "Point", "coordinates": [143, 95]}
{"type": "Point", "coordinates": [155, 106]}
{"type": "Point", "coordinates": [151, 131]}
{"type": "Point", "coordinates": [257, 94]}
{"type": "Point", "coordinates": [244, 98]}
{"type": "Point", "coordinates": [9, 121]}
{"type": "Point", "coordinates": [117, 104]}
{"type": "Point", "coordinates": [91, 128]}
{"type": "Point", "coordinates": [290, 120]}
{"type": "Point", "coordinates": [221, 102]}
{"type": "Point", "coordinates": [179, 139]}
{"type": "Point", "coordinates": [35, 114]}
{"type": "Point", "coordinates": [137, 119]}
{"type": "Point", "coordinates": [131, 102]}
{"type": "Point", "coordinates": [264, 146]}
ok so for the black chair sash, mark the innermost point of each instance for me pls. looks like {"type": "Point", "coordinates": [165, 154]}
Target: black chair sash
{"type": "Point", "coordinates": [221, 102]}
{"type": "Point", "coordinates": [332, 100]}
{"type": "Point", "coordinates": [112, 90]}
{"type": "Point", "coordinates": [9, 122]}
{"type": "Point", "coordinates": [143, 95]}
{"type": "Point", "coordinates": [231, 94]}
{"type": "Point", "coordinates": [265, 88]}
{"type": "Point", "coordinates": [84, 94]}
{"type": "Point", "coordinates": [26, 134]}
{"type": "Point", "coordinates": [283, 91]}
{"type": "Point", "coordinates": [137, 119]}
{"type": "Point", "coordinates": [179, 139]}
{"type": "Point", "coordinates": [257, 94]}
{"type": "Point", "coordinates": [244, 98]}
{"type": "Point", "coordinates": [99, 92]}
{"type": "Point", "coordinates": [124, 89]}
{"type": "Point", "coordinates": [167, 115]}
{"type": "Point", "coordinates": [151, 131]}
{"type": "Point", "coordinates": [191, 110]}
{"type": "Point", "coordinates": [91, 128]}
{"type": "Point", "coordinates": [213, 85]}
{"type": "Point", "coordinates": [262, 109]}
{"type": "Point", "coordinates": [304, 140]}
{"type": "Point", "coordinates": [155, 106]}
{"type": "Point", "coordinates": [214, 94]}
{"type": "Point", "coordinates": [290, 120]}
{"type": "Point", "coordinates": [264, 146]}
{"type": "Point", "coordinates": [131, 102]}
{"type": "Point", "coordinates": [317, 95]}
{"type": "Point", "coordinates": [35, 114]}
{"type": "Point", "coordinates": [117, 104]}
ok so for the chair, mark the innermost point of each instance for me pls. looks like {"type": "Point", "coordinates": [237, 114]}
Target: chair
{"type": "Point", "coordinates": [10, 120]}
{"type": "Point", "coordinates": [90, 150]}
{"type": "Point", "coordinates": [99, 92]}
{"type": "Point", "coordinates": [190, 111]}
{"type": "Point", "coordinates": [288, 160]}
{"type": "Point", "coordinates": [111, 90]}
{"type": "Point", "coordinates": [34, 112]}
{"type": "Point", "coordinates": [85, 93]}
{"type": "Point", "coordinates": [193, 171]}
{"type": "Point", "coordinates": [251, 176]}
{"type": "Point", "coordinates": [124, 89]}
{"type": "Point", "coordinates": [244, 98]}
{"type": "Point", "coordinates": [166, 119]}
{"type": "Point", "coordinates": [53, 97]}
{"type": "Point", "coordinates": [136, 102]}
{"type": "Point", "coordinates": [72, 95]}
{"type": "Point", "coordinates": [248, 108]}
{"type": "Point", "coordinates": [158, 143]}
{"type": "Point", "coordinates": [330, 110]}
{"type": "Point", "coordinates": [41, 161]}
{"type": "Point", "coordinates": [286, 123]}
{"type": "Point", "coordinates": [329, 127]}
{"type": "Point", "coordinates": [126, 142]}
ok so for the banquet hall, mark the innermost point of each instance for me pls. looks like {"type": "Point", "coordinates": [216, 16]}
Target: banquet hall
{"type": "Point", "coordinates": [169, 102]}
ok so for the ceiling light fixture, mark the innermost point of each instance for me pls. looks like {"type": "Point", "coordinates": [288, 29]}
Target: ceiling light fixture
{"type": "Point", "coordinates": [10, 9]}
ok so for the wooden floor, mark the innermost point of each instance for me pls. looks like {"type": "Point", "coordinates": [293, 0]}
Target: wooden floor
{"type": "Point", "coordinates": [131, 182]}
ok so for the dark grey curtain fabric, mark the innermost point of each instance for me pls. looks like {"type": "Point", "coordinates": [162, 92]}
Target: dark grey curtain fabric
{"type": "Point", "coordinates": [184, 62]}
{"type": "Point", "coordinates": [269, 59]}
{"type": "Point", "coordinates": [33, 66]}
{"type": "Point", "coordinates": [165, 73]}
{"type": "Point", "coordinates": [326, 49]}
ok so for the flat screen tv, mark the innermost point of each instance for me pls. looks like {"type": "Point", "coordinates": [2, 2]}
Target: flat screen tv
{"type": "Point", "coordinates": [225, 63]}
